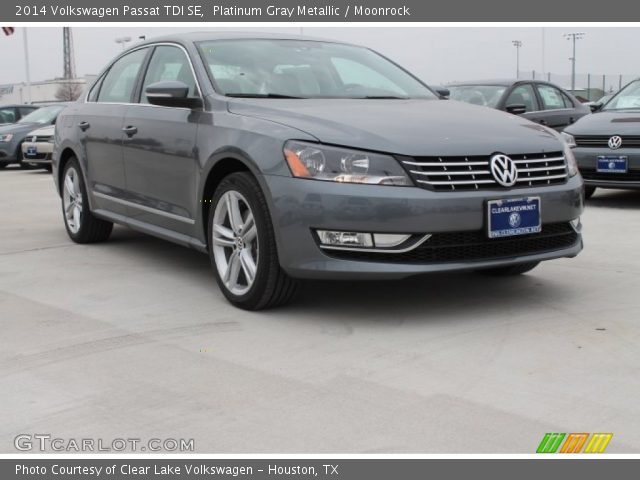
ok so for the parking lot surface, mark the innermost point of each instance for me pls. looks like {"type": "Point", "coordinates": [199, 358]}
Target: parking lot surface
{"type": "Point", "coordinates": [132, 338]}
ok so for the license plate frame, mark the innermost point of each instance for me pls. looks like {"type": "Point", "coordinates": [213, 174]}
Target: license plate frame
{"type": "Point", "coordinates": [512, 217]}
{"type": "Point", "coordinates": [612, 164]}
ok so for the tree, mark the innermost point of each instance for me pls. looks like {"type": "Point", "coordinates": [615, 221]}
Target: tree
{"type": "Point", "coordinates": [69, 92]}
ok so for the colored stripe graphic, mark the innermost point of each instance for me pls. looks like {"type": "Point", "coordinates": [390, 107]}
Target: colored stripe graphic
{"type": "Point", "coordinates": [574, 443]}
{"type": "Point", "coordinates": [598, 443]}
{"type": "Point", "coordinates": [550, 442]}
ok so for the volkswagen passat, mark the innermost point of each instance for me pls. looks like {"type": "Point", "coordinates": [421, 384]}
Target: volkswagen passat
{"type": "Point", "coordinates": [286, 158]}
{"type": "Point", "coordinates": [607, 144]}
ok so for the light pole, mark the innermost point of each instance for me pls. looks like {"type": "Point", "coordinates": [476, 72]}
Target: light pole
{"type": "Point", "coordinates": [573, 37]}
{"type": "Point", "coordinates": [123, 41]}
{"type": "Point", "coordinates": [517, 44]}
{"type": "Point", "coordinates": [26, 63]}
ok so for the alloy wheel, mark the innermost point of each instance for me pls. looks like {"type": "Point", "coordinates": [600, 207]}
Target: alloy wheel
{"type": "Point", "coordinates": [72, 200]}
{"type": "Point", "coordinates": [235, 242]}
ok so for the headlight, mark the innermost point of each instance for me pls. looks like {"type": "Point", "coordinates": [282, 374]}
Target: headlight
{"type": "Point", "coordinates": [572, 165]}
{"type": "Point", "coordinates": [6, 137]}
{"type": "Point", "coordinates": [568, 138]}
{"type": "Point", "coordinates": [334, 164]}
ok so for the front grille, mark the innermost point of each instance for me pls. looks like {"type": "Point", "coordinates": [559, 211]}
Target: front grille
{"type": "Point", "coordinates": [473, 172]}
{"type": "Point", "coordinates": [602, 141]}
{"type": "Point", "coordinates": [472, 246]}
{"type": "Point", "coordinates": [592, 174]}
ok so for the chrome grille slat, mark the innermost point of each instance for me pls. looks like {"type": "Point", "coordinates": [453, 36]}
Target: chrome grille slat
{"type": "Point", "coordinates": [473, 172]}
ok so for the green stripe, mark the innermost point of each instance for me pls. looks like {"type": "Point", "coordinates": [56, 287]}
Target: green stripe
{"type": "Point", "coordinates": [550, 442]}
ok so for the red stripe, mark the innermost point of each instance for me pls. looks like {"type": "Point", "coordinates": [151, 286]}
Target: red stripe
{"type": "Point", "coordinates": [8, 30]}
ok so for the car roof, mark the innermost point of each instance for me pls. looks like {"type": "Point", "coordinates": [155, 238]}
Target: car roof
{"type": "Point", "coordinates": [218, 35]}
{"type": "Point", "coordinates": [503, 82]}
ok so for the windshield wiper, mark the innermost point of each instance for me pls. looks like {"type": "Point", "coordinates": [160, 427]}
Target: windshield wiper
{"type": "Point", "coordinates": [259, 95]}
{"type": "Point", "coordinates": [383, 97]}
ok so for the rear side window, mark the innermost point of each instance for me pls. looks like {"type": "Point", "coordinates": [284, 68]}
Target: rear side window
{"type": "Point", "coordinates": [8, 115]}
{"type": "Point", "coordinates": [552, 98]}
{"type": "Point", "coordinates": [120, 80]}
{"type": "Point", "coordinates": [169, 63]}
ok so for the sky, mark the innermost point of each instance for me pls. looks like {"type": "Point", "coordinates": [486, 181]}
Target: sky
{"type": "Point", "coordinates": [435, 54]}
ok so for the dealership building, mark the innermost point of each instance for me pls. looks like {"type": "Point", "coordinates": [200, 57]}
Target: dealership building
{"type": "Point", "coordinates": [42, 92]}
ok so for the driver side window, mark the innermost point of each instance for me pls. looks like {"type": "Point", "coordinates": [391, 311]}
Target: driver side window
{"type": "Point", "coordinates": [169, 63]}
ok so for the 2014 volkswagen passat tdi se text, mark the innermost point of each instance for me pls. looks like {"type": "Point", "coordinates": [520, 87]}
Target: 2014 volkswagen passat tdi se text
{"type": "Point", "coordinates": [287, 158]}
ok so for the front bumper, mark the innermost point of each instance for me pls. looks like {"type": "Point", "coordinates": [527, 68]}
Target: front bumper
{"type": "Point", "coordinates": [299, 207]}
{"type": "Point", "coordinates": [7, 154]}
{"type": "Point", "coordinates": [587, 163]}
{"type": "Point", "coordinates": [42, 155]}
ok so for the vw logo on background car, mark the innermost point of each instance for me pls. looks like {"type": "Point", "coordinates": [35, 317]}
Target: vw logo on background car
{"type": "Point", "coordinates": [615, 142]}
{"type": "Point", "coordinates": [503, 170]}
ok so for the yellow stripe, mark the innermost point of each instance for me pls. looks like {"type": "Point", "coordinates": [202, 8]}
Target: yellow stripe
{"type": "Point", "coordinates": [598, 443]}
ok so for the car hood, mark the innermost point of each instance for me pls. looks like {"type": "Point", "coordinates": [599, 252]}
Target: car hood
{"type": "Point", "coordinates": [405, 127]}
{"type": "Point", "coordinates": [44, 131]}
{"type": "Point", "coordinates": [607, 123]}
{"type": "Point", "coordinates": [18, 128]}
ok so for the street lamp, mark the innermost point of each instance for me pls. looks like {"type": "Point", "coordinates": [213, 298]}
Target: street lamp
{"type": "Point", "coordinates": [573, 37]}
{"type": "Point", "coordinates": [123, 41]}
{"type": "Point", "coordinates": [517, 44]}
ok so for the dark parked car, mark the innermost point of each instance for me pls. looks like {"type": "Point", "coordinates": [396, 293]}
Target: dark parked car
{"type": "Point", "coordinates": [13, 113]}
{"type": "Point", "coordinates": [607, 143]}
{"type": "Point", "coordinates": [535, 100]}
{"type": "Point", "coordinates": [219, 142]}
{"type": "Point", "coordinates": [12, 136]}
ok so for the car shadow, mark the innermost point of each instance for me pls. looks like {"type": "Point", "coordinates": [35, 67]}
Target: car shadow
{"type": "Point", "coordinates": [621, 199]}
{"type": "Point", "coordinates": [431, 297]}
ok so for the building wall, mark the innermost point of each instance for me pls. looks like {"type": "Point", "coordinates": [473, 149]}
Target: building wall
{"type": "Point", "coordinates": [40, 91]}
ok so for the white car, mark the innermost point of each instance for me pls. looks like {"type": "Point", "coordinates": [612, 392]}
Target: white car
{"type": "Point", "coordinates": [38, 146]}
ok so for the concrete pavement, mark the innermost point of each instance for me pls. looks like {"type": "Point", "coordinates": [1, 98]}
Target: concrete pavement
{"type": "Point", "coordinates": [131, 338]}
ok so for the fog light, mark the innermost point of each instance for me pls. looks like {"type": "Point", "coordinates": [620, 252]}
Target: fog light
{"type": "Point", "coordinates": [576, 224]}
{"type": "Point", "coordinates": [345, 239]}
{"type": "Point", "coordinates": [388, 240]}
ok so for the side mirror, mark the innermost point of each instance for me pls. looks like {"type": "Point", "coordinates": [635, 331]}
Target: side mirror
{"type": "Point", "coordinates": [171, 93]}
{"type": "Point", "coordinates": [516, 109]}
{"type": "Point", "coordinates": [595, 107]}
{"type": "Point", "coordinates": [443, 92]}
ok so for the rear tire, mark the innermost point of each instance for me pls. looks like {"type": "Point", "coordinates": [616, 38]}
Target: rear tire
{"type": "Point", "coordinates": [242, 246]}
{"type": "Point", "coordinates": [589, 191]}
{"type": "Point", "coordinates": [511, 270]}
{"type": "Point", "coordinates": [81, 225]}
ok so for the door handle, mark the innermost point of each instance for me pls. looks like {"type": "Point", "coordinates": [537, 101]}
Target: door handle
{"type": "Point", "coordinates": [543, 122]}
{"type": "Point", "coordinates": [571, 120]}
{"type": "Point", "coordinates": [84, 125]}
{"type": "Point", "coordinates": [130, 130]}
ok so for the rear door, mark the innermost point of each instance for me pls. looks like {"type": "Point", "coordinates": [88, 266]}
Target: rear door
{"type": "Point", "coordinates": [100, 121]}
{"type": "Point", "coordinates": [558, 108]}
{"type": "Point", "coordinates": [160, 156]}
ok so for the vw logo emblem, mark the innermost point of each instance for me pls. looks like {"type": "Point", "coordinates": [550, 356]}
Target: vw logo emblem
{"type": "Point", "coordinates": [503, 170]}
{"type": "Point", "coordinates": [514, 220]}
{"type": "Point", "coordinates": [615, 142]}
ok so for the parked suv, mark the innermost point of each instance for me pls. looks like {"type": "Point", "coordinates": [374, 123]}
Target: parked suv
{"type": "Point", "coordinates": [607, 143]}
{"type": "Point", "coordinates": [287, 158]}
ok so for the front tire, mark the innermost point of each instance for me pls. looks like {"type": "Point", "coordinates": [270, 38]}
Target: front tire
{"type": "Point", "coordinates": [242, 246]}
{"type": "Point", "coordinates": [511, 270]}
{"type": "Point", "coordinates": [81, 225]}
{"type": "Point", "coordinates": [589, 191]}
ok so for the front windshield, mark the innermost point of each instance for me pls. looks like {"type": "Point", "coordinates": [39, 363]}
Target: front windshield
{"type": "Point", "coordinates": [305, 69]}
{"type": "Point", "coordinates": [486, 95]}
{"type": "Point", "coordinates": [627, 98]}
{"type": "Point", "coordinates": [44, 115]}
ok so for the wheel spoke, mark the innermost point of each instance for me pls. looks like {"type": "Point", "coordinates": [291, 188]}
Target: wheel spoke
{"type": "Point", "coordinates": [233, 270]}
{"type": "Point", "coordinates": [233, 209]}
{"type": "Point", "coordinates": [76, 217]}
{"type": "Point", "coordinates": [224, 242]}
{"type": "Point", "coordinates": [248, 224]}
{"type": "Point", "coordinates": [250, 235]}
{"type": "Point", "coordinates": [223, 231]}
{"type": "Point", "coordinates": [76, 185]}
{"type": "Point", "coordinates": [68, 182]}
{"type": "Point", "coordinates": [68, 209]}
{"type": "Point", "coordinates": [248, 266]}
